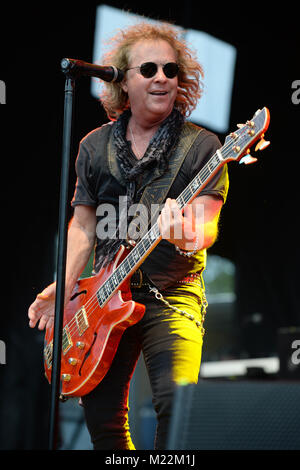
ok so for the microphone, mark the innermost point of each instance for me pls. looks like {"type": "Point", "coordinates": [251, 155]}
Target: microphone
{"type": "Point", "coordinates": [79, 67]}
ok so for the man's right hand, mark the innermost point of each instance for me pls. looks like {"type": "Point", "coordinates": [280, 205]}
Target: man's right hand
{"type": "Point", "coordinates": [42, 309]}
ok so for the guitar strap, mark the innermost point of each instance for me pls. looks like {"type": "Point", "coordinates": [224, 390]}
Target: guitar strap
{"type": "Point", "coordinates": [154, 194]}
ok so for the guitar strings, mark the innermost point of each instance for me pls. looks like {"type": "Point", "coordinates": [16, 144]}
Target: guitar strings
{"type": "Point", "coordinates": [93, 302]}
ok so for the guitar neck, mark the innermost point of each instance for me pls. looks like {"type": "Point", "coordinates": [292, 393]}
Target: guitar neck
{"type": "Point", "coordinates": [201, 179]}
{"type": "Point", "coordinates": [149, 241]}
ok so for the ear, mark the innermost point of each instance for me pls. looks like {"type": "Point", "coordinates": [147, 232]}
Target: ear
{"type": "Point", "coordinates": [124, 86]}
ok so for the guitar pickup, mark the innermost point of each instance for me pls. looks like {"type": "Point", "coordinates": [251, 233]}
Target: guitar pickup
{"type": "Point", "coordinates": [48, 351]}
{"type": "Point", "coordinates": [66, 345]}
{"type": "Point", "coordinates": [66, 340]}
{"type": "Point", "coordinates": [81, 321]}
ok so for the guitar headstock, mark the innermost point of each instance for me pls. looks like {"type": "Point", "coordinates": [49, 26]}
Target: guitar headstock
{"type": "Point", "coordinates": [237, 144]}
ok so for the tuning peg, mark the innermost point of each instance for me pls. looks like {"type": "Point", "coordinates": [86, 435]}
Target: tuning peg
{"type": "Point", "coordinates": [262, 144]}
{"type": "Point", "coordinates": [247, 159]}
{"type": "Point", "coordinates": [240, 125]}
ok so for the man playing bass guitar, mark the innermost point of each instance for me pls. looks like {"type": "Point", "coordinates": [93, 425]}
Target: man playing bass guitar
{"type": "Point", "coordinates": [136, 151]}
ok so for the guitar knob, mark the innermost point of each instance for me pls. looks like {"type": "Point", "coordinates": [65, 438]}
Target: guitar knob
{"type": "Point", "coordinates": [80, 344]}
{"type": "Point", "coordinates": [262, 144]}
{"type": "Point", "coordinates": [72, 361]}
{"type": "Point", "coordinates": [66, 377]}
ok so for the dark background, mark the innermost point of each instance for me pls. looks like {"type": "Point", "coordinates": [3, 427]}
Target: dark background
{"type": "Point", "coordinates": [259, 222]}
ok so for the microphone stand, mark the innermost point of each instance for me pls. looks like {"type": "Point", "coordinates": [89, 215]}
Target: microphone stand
{"type": "Point", "coordinates": [61, 260]}
{"type": "Point", "coordinates": [72, 69]}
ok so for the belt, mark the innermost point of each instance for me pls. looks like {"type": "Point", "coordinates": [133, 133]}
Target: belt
{"type": "Point", "coordinates": [192, 277]}
{"type": "Point", "coordinates": [139, 279]}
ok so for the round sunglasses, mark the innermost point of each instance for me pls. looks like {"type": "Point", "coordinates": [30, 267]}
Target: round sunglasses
{"type": "Point", "coordinates": [149, 69]}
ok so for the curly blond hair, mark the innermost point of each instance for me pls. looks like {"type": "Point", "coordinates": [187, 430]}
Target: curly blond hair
{"type": "Point", "coordinates": [115, 100]}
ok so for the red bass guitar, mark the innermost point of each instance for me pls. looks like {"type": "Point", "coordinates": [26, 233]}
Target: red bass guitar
{"type": "Point", "coordinates": [101, 308]}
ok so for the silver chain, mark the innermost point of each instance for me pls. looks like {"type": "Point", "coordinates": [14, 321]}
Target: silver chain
{"type": "Point", "coordinates": [134, 142]}
{"type": "Point", "coordinates": [199, 324]}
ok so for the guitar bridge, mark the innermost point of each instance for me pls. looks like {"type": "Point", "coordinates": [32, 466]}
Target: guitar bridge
{"type": "Point", "coordinates": [81, 321]}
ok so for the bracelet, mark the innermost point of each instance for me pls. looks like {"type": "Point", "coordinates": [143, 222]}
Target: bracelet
{"type": "Point", "coordinates": [188, 253]}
